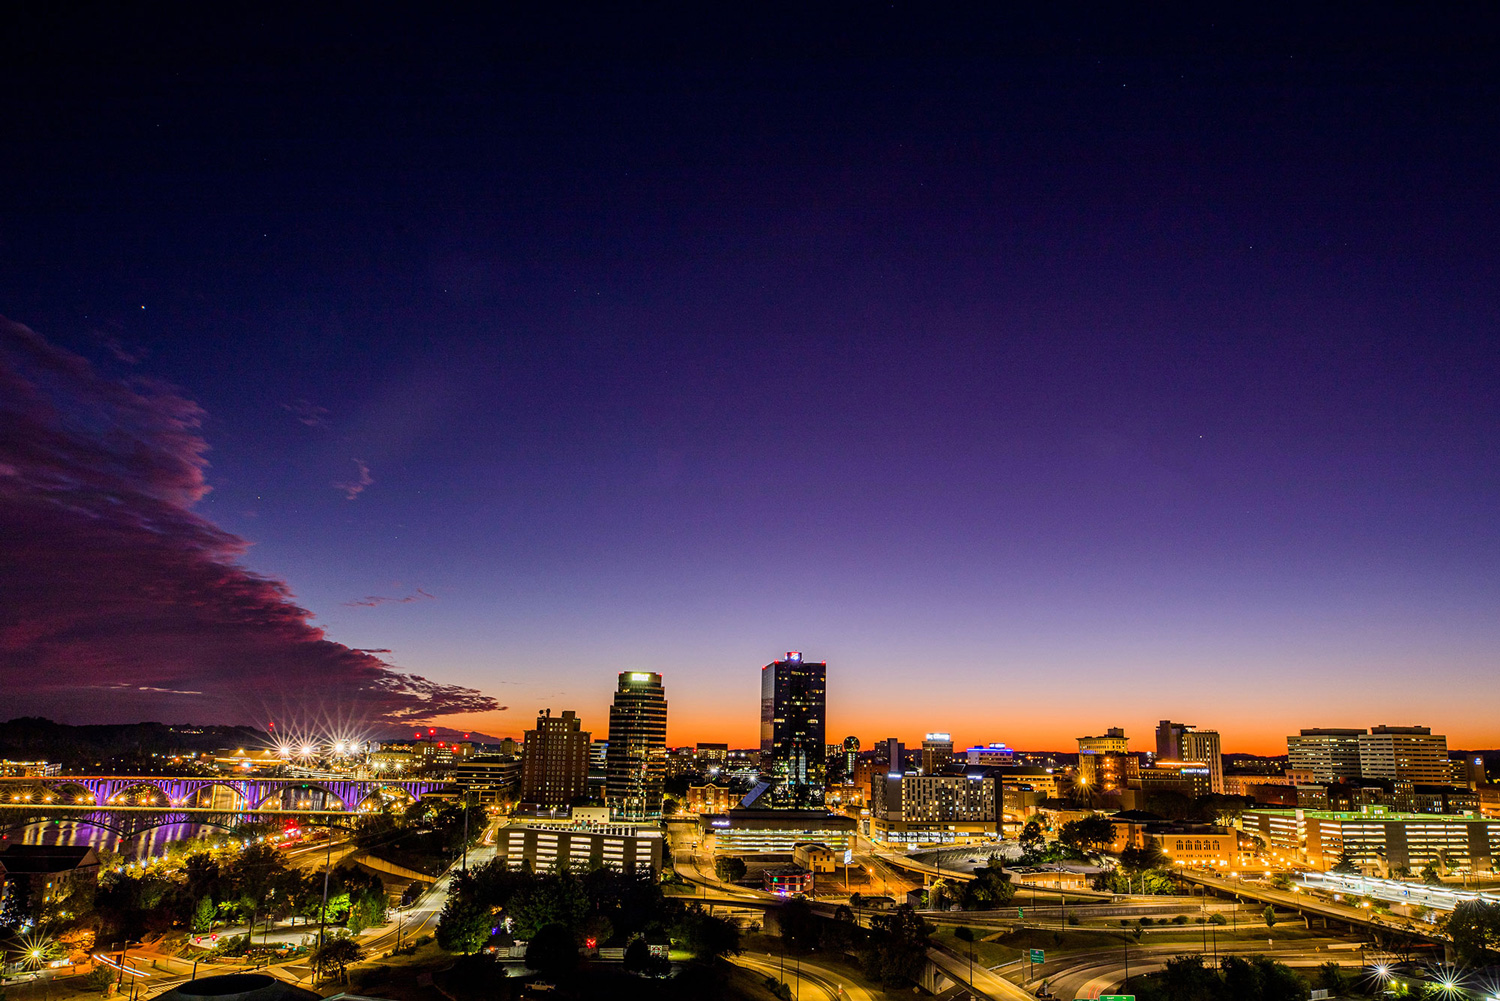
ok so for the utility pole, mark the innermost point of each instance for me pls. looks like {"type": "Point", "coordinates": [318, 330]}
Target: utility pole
{"type": "Point", "coordinates": [323, 911]}
{"type": "Point", "coordinates": [466, 834]}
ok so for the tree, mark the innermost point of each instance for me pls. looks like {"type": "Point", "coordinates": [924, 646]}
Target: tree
{"type": "Point", "coordinates": [705, 936]}
{"type": "Point", "coordinates": [799, 925]}
{"type": "Point", "coordinates": [1148, 856]}
{"type": "Point", "coordinates": [1088, 834]}
{"type": "Point", "coordinates": [1032, 840]}
{"type": "Point", "coordinates": [367, 911]}
{"type": "Point", "coordinates": [464, 925]}
{"type": "Point", "coordinates": [1474, 926]}
{"type": "Point", "coordinates": [729, 869]}
{"type": "Point", "coordinates": [637, 956]}
{"type": "Point", "coordinates": [336, 954]}
{"type": "Point", "coordinates": [203, 914]}
{"type": "Point", "coordinates": [990, 888]}
{"type": "Point", "coordinates": [1261, 979]}
{"type": "Point", "coordinates": [897, 945]}
{"type": "Point", "coordinates": [1270, 915]}
{"type": "Point", "coordinates": [1331, 978]}
{"type": "Point", "coordinates": [553, 899]}
{"type": "Point", "coordinates": [553, 951]}
{"type": "Point", "coordinates": [1185, 978]}
{"type": "Point", "coordinates": [1430, 875]}
{"type": "Point", "coordinates": [1346, 864]}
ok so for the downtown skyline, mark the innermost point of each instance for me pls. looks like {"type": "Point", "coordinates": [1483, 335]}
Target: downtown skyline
{"type": "Point", "coordinates": [1035, 395]}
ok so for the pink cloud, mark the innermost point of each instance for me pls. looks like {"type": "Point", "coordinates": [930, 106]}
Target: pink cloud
{"type": "Point", "coordinates": [110, 580]}
{"type": "Point", "coordinates": [307, 413]}
{"type": "Point", "coordinates": [372, 600]}
{"type": "Point", "coordinates": [357, 487]}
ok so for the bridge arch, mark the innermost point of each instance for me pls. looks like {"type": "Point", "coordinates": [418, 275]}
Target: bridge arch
{"type": "Point", "coordinates": [218, 796]}
{"type": "Point", "coordinates": [381, 796]}
{"type": "Point", "coordinates": [26, 792]}
{"type": "Point", "coordinates": [70, 793]}
{"type": "Point", "coordinates": [301, 796]}
{"type": "Point", "coordinates": [139, 793]}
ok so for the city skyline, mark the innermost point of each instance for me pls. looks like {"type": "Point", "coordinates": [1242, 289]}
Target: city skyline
{"type": "Point", "coordinates": [1037, 391]}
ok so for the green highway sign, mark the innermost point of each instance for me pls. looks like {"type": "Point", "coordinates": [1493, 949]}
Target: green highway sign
{"type": "Point", "coordinates": [1117, 997]}
{"type": "Point", "coordinates": [1039, 956]}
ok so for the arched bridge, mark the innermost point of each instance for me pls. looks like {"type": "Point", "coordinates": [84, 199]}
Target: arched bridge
{"type": "Point", "coordinates": [230, 794]}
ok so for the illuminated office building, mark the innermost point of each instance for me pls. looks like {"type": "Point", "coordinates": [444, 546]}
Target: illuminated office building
{"type": "Point", "coordinates": [792, 747]}
{"type": "Point", "coordinates": [636, 760]}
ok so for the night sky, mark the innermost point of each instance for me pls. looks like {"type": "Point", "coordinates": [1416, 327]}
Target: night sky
{"type": "Point", "coordinates": [1039, 376]}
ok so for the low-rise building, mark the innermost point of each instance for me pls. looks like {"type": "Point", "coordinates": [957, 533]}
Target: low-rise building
{"type": "Point", "coordinates": [743, 831]}
{"type": "Point", "coordinates": [29, 769]}
{"type": "Point", "coordinates": [38, 880]}
{"type": "Point", "coordinates": [1190, 778]}
{"type": "Point", "coordinates": [1199, 845]}
{"type": "Point", "coordinates": [1058, 877]}
{"type": "Point", "coordinates": [815, 857]}
{"type": "Point", "coordinates": [787, 880]}
{"type": "Point", "coordinates": [489, 780]}
{"type": "Point", "coordinates": [710, 798]}
{"type": "Point", "coordinates": [583, 845]}
{"type": "Point", "coordinates": [1376, 838]}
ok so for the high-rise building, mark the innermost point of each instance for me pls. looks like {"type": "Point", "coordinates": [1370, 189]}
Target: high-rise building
{"type": "Point", "coordinates": [933, 809]}
{"type": "Point", "coordinates": [1113, 741]}
{"type": "Point", "coordinates": [937, 752]}
{"type": "Point", "coordinates": [851, 755]}
{"type": "Point", "coordinates": [711, 756]}
{"type": "Point", "coordinates": [997, 755]}
{"type": "Point", "coordinates": [636, 762]}
{"type": "Point", "coordinates": [1108, 772]}
{"type": "Point", "coordinates": [555, 768]}
{"type": "Point", "coordinates": [1183, 742]}
{"type": "Point", "coordinates": [893, 753]}
{"type": "Point", "coordinates": [1328, 753]}
{"type": "Point", "coordinates": [1404, 753]}
{"type": "Point", "coordinates": [1467, 770]}
{"type": "Point", "coordinates": [792, 697]}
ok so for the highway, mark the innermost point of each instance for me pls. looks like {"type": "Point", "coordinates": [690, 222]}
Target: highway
{"type": "Point", "coordinates": [986, 983]}
{"type": "Point", "coordinates": [1294, 901]}
{"type": "Point", "coordinates": [1088, 974]}
{"type": "Point", "coordinates": [808, 981]}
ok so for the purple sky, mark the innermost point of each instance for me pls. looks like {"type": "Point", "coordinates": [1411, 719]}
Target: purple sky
{"type": "Point", "coordinates": [1039, 379]}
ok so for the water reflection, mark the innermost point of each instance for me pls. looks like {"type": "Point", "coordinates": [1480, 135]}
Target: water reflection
{"type": "Point", "coordinates": [148, 842]}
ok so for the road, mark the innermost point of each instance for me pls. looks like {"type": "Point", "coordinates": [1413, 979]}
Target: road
{"type": "Point", "coordinates": [1305, 903]}
{"type": "Point", "coordinates": [985, 983]}
{"type": "Point", "coordinates": [1088, 974]}
{"type": "Point", "coordinates": [407, 923]}
{"type": "Point", "coordinates": [811, 982]}
{"type": "Point", "coordinates": [688, 859]}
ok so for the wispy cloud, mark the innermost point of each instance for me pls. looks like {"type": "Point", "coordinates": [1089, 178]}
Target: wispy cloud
{"type": "Point", "coordinates": [354, 489]}
{"type": "Point", "coordinates": [130, 356]}
{"type": "Point", "coordinates": [112, 579]}
{"type": "Point", "coordinates": [371, 600]}
{"type": "Point", "coordinates": [307, 413]}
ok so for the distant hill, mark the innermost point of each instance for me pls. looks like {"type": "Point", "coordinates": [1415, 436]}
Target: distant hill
{"type": "Point", "coordinates": [33, 738]}
{"type": "Point", "coordinates": [443, 733]}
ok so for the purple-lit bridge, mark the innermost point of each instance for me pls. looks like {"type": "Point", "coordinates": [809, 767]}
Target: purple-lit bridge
{"type": "Point", "coordinates": [223, 794]}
